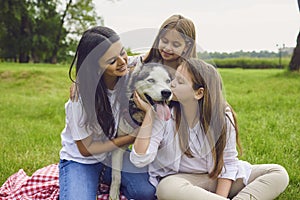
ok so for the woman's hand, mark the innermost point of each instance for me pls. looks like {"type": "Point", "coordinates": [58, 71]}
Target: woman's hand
{"type": "Point", "coordinates": [88, 147]}
{"type": "Point", "coordinates": [140, 103]}
{"type": "Point", "coordinates": [74, 92]}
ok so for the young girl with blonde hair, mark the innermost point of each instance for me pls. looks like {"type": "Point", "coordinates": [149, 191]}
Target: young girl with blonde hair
{"type": "Point", "coordinates": [176, 39]}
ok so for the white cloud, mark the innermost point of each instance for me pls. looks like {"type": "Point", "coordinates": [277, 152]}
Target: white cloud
{"type": "Point", "coordinates": [222, 25]}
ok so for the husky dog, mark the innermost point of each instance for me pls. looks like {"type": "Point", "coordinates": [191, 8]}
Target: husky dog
{"type": "Point", "coordinates": [152, 83]}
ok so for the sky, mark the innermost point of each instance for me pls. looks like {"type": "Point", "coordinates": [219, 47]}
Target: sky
{"type": "Point", "coordinates": [221, 25]}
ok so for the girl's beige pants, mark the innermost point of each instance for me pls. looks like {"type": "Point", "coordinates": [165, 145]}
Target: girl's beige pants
{"type": "Point", "coordinates": [266, 182]}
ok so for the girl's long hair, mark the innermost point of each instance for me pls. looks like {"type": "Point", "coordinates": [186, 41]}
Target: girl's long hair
{"type": "Point", "coordinates": [185, 27]}
{"type": "Point", "coordinates": [89, 80]}
{"type": "Point", "coordinates": [212, 116]}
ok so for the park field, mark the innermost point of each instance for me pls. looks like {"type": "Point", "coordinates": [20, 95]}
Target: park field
{"type": "Point", "coordinates": [267, 103]}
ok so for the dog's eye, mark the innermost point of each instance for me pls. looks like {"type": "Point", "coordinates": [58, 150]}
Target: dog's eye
{"type": "Point", "coordinates": [168, 81]}
{"type": "Point", "coordinates": [151, 80]}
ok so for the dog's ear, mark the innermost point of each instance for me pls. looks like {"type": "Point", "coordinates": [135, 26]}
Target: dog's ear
{"type": "Point", "coordinates": [139, 64]}
{"type": "Point", "coordinates": [134, 74]}
{"type": "Point", "coordinates": [138, 67]}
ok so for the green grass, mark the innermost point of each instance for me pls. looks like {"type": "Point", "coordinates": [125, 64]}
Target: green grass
{"type": "Point", "coordinates": [267, 103]}
{"type": "Point", "coordinates": [31, 116]}
{"type": "Point", "coordinates": [32, 100]}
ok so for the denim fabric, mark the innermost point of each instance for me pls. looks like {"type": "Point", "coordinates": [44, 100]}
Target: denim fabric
{"type": "Point", "coordinates": [80, 181]}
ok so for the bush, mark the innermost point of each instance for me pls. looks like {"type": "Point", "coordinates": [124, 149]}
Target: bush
{"type": "Point", "coordinates": [250, 63]}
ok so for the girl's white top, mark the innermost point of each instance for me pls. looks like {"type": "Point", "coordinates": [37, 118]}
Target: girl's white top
{"type": "Point", "coordinates": [74, 130]}
{"type": "Point", "coordinates": [165, 157]}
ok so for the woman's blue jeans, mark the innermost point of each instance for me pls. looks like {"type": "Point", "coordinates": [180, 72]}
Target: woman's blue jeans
{"type": "Point", "coordinates": [81, 181]}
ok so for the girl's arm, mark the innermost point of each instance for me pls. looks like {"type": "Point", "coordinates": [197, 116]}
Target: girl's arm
{"type": "Point", "coordinates": [142, 140]}
{"type": "Point", "coordinates": [226, 177]}
{"type": "Point", "coordinates": [149, 137]}
{"type": "Point", "coordinates": [88, 147]}
{"type": "Point", "coordinates": [223, 187]}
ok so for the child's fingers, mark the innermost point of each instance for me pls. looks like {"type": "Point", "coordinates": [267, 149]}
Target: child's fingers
{"type": "Point", "coordinates": [136, 98]}
{"type": "Point", "coordinates": [140, 103]}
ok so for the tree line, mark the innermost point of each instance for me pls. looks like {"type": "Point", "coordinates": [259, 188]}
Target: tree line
{"type": "Point", "coordinates": [242, 54]}
{"type": "Point", "coordinates": [48, 30]}
{"type": "Point", "coordinates": [43, 30]}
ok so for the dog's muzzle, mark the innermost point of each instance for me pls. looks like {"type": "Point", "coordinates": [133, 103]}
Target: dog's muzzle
{"type": "Point", "coordinates": [161, 107]}
{"type": "Point", "coordinates": [166, 94]}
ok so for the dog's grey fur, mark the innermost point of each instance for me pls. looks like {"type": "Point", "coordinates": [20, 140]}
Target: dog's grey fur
{"type": "Point", "coordinates": [152, 83]}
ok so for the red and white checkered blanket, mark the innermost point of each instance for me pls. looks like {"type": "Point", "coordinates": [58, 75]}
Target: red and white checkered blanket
{"type": "Point", "coordinates": [42, 185]}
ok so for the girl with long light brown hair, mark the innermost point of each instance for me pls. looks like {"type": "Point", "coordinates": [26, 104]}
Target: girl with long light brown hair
{"type": "Point", "coordinates": [194, 154]}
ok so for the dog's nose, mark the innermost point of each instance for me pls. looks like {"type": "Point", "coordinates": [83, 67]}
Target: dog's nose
{"type": "Point", "coordinates": [165, 93]}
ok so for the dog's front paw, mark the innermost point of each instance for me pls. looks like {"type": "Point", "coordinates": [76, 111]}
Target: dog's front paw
{"type": "Point", "coordinates": [114, 193]}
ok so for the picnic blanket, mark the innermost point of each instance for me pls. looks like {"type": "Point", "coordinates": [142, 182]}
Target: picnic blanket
{"type": "Point", "coordinates": [42, 185]}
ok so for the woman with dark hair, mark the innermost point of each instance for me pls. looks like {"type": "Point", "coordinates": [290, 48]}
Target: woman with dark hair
{"type": "Point", "coordinates": [92, 119]}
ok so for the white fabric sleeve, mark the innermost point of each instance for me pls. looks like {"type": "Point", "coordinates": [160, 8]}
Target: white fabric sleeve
{"type": "Point", "coordinates": [75, 115]}
{"type": "Point", "coordinates": [141, 160]}
{"type": "Point", "coordinates": [230, 168]}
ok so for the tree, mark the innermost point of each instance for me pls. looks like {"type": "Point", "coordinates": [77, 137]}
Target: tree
{"type": "Point", "coordinates": [77, 16]}
{"type": "Point", "coordinates": [295, 60]}
{"type": "Point", "coordinates": [42, 30]}
{"type": "Point", "coordinates": [45, 30]}
{"type": "Point", "coordinates": [57, 41]}
{"type": "Point", "coordinates": [15, 30]}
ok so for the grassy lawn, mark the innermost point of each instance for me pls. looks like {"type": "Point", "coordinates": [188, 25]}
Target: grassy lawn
{"type": "Point", "coordinates": [32, 100]}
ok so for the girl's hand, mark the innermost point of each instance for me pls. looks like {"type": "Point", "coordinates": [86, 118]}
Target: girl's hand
{"type": "Point", "coordinates": [140, 103]}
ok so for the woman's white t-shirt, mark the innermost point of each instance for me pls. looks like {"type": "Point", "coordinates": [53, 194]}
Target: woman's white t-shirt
{"type": "Point", "coordinates": [74, 131]}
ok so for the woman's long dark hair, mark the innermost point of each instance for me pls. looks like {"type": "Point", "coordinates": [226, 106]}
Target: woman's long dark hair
{"type": "Point", "coordinates": [89, 80]}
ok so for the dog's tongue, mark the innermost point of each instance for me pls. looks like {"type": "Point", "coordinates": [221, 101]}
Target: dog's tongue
{"type": "Point", "coordinates": [163, 111]}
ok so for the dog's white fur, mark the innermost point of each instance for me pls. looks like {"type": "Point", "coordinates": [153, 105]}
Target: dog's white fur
{"type": "Point", "coordinates": [145, 80]}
